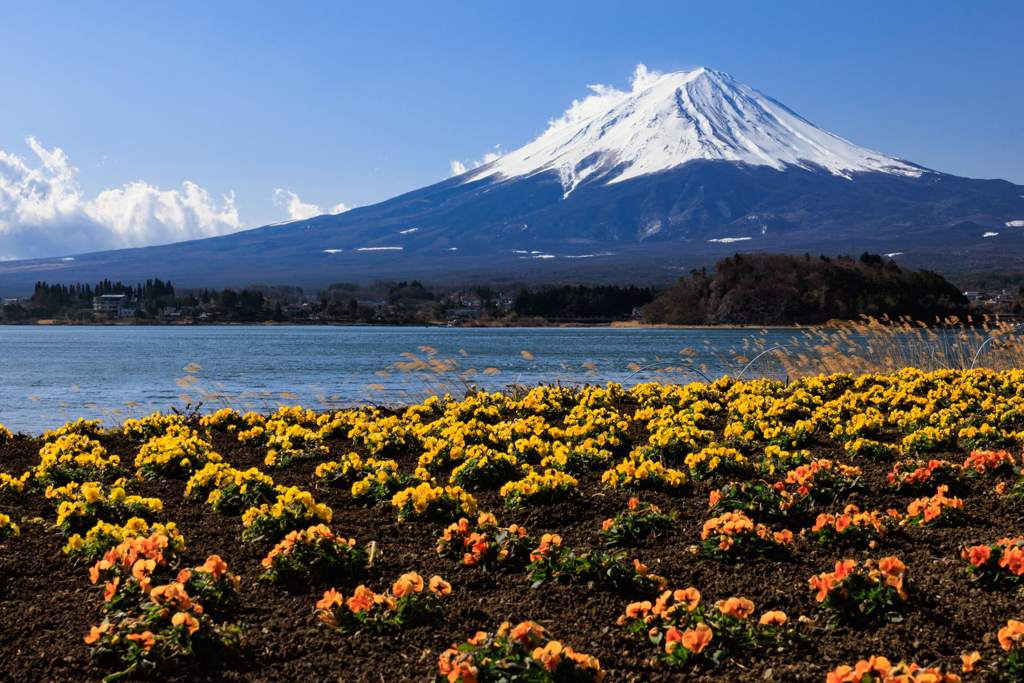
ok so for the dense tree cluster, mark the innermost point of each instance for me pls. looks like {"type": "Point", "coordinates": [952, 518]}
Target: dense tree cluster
{"type": "Point", "coordinates": [245, 305]}
{"type": "Point", "coordinates": [48, 300]}
{"type": "Point", "coordinates": [582, 302]}
{"type": "Point", "coordinates": [773, 289]}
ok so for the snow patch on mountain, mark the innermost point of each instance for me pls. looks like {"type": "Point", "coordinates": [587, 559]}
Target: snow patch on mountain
{"type": "Point", "coordinates": [667, 120]}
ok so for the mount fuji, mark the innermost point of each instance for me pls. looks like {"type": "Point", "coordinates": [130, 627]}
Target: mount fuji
{"type": "Point", "coordinates": [638, 185]}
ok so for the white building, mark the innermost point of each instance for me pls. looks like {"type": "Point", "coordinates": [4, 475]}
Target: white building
{"type": "Point", "coordinates": [109, 303]}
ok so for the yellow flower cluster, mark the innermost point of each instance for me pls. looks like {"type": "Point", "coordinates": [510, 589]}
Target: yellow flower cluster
{"type": "Point", "coordinates": [5, 435]}
{"type": "Point", "coordinates": [928, 439]}
{"type": "Point", "coordinates": [532, 450]}
{"type": "Point", "coordinates": [289, 443]}
{"type": "Point", "coordinates": [868, 448]}
{"type": "Point", "coordinates": [81, 426]}
{"type": "Point", "coordinates": [577, 459]}
{"type": "Point", "coordinates": [717, 461]}
{"type": "Point", "coordinates": [604, 425]}
{"type": "Point", "coordinates": [295, 415]}
{"type": "Point", "coordinates": [295, 509]}
{"type": "Point", "coordinates": [177, 453]}
{"type": "Point", "coordinates": [225, 487]}
{"type": "Point", "coordinates": [74, 457]}
{"type": "Point", "coordinates": [7, 527]}
{"type": "Point", "coordinates": [931, 412]}
{"type": "Point", "coordinates": [484, 467]}
{"type": "Point", "coordinates": [261, 429]}
{"type": "Point", "coordinates": [676, 434]}
{"type": "Point", "coordinates": [229, 421]}
{"type": "Point", "coordinates": [530, 427]}
{"type": "Point", "coordinates": [351, 467]}
{"type": "Point", "coordinates": [385, 481]}
{"type": "Point", "coordinates": [862, 425]}
{"type": "Point", "coordinates": [384, 436]}
{"type": "Point", "coordinates": [776, 458]}
{"type": "Point", "coordinates": [76, 504]}
{"type": "Point", "coordinates": [9, 483]}
{"type": "Point", "coordinates": [255, 435]}
{"type": "Point", "coordinates": [539, 489]}
{"type": "Point", "coordinates": [105, 536]}
{"type": "Point", "coordinates": [153, 425]}
{"type": "Point", "coordinates": [636, 472]}
{"type": "Point", "coordinates": [431, 408]}
{"type": "Point", "coordinates": [426, 501]}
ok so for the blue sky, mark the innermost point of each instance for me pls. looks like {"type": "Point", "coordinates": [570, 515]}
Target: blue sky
{"type": "Point", "coordinates": [353, 104]}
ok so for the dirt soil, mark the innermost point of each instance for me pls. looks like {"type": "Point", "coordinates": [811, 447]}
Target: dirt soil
{"type": "Point", "coordinates": [47, 603]}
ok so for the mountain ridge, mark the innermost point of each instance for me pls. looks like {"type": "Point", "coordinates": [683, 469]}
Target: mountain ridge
{"type": "Point", "coordinates": [602, 194]}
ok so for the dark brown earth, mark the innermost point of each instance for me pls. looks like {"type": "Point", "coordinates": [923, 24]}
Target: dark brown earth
{"type": "Point", "coordinates": [47, 603]}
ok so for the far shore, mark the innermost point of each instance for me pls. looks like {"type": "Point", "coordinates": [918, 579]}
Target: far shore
{"type": "Point", "coordinates": [531, 323]}
{"type": "Point", "coordinates": [475, 324]}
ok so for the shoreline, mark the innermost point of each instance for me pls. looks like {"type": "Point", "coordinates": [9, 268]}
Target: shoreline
{"type": "Point", "coordinates": [618, 324]}
{"type": "Point", "coordinates": [533, 323]}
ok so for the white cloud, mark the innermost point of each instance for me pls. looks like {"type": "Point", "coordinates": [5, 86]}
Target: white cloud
{"type": "Point", "coordinates": [300, 211]}
{"type": "Point", "coordinates": [43, 212]}
{"type": "Point", "coordinates": [297, 211]}
{"type": "Point", "coordinates": [458, 167]}
{"type": "Point", "coordinates": [604, 98]}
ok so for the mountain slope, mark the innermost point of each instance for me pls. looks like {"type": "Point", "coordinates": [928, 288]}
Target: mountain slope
{"type": "Point", "coordinates": [680, 171]}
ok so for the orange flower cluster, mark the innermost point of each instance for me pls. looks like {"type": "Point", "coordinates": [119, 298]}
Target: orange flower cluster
{"type": "Point", "coordinates": [685, 599]}
{"type": "Point", "coordinates": [689, 627]}
{"type": "Point", "coordinates": [147, 622]}
{"type": "Point", "coordinates": [855, 524]}
{"type": "Point", "coordinates": [738, 536]}
{"type": "Point", "coordinates": [852, 591]}
{"type": "Point", "coordinates": [134, 558]}
{"type": "Point", "coordinates": [406, 605]}
{"type": "Point", "coordinates": [549, 545]}
{"type": "Point", "coordinates": [1000, 563]}
{"type": "Point", "coordinates": [1011, 636]}
{"type": "Point", "coordinates": [733, 524]}
{"type": "Point", "coordinates": [980, 462]}
{"type": "Point", "coordinates": [314, 548]}
{"type": "Point", "coordinates": [552, 562]}
{"type": "Point", "coordinates": [693, 639]}
{"type": "Point", "coordinates": [918, 473]}
{"type": "Point", "coordinates": [484, 543]}
{"type": "Point", "coordinates": [939, 509]}
{"type": "Point", "coordinates": [889, 571]}
{"type": "Point", "coordinates": [525, 646]}
{"type": "Point", "coordinates": [1012, 556]}
{"type": "Point", "coordinates": [822, 479]}
{"type": "Point", "coordinates": [753, 497]}
{"type": "Point", "coordinates": [879, 670]}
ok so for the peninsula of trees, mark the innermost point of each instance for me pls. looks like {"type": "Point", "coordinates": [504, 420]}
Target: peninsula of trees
{"type": "Point", "coordinates": [779, 289]}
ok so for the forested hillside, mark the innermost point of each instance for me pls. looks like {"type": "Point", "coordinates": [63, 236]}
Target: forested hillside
{"type": "Point", "coordinates": [774, 289]}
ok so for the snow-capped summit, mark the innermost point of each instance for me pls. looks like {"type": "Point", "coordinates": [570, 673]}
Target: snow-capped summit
{"type": "Point", "coordinates": [670, 119]}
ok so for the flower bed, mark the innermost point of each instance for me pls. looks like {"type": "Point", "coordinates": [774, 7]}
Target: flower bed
{"type": "Point", "coordinates": [940, 592]}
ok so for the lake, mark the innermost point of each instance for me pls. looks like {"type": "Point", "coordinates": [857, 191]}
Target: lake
{"type": "Point", "coordinates": [114, 365]}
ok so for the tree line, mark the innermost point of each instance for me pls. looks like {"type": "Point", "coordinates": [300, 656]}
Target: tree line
{"type": "Point", "coordinates": [50, 299]}
{"type": "Point", "coordinates": [609, 301]}
{"type": "Point", "coordinates": [774, 289]}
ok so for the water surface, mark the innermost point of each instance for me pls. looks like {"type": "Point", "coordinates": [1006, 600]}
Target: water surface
{"type": "Point", "coordinates": [114, 365]}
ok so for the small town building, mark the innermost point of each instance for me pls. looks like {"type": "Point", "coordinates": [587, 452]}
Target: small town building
{"type": "Point", "coordinates": [462, 313]}
{"type": "Point", "coordinates": [109, 303]}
